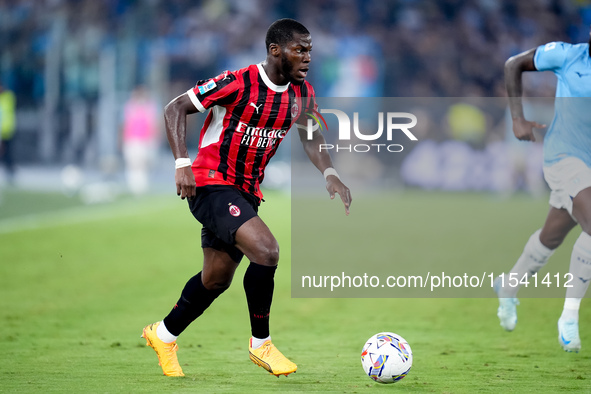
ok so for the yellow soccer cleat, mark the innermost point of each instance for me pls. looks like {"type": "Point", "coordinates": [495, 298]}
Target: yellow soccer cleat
{"type": "Point", "coordinates": [166, 351]}
{"type": "Point", "coordinates": [268, 357]}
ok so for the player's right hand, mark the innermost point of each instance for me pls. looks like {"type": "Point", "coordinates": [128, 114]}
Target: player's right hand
{"type": "Point", "coordinates": [523, 129]}
{"type": "Point", "coordinates": [185, 182]}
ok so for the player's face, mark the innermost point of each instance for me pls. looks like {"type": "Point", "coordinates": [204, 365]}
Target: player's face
{"type": "Point", "coordinates": [295, 58]}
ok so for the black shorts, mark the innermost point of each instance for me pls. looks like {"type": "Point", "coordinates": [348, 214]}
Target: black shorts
{"type": "Point", "coordinates": [222, 210]}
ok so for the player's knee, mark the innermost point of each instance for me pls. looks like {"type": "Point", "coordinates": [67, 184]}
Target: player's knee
{"type": "Point", "coordinates": [269, 254]}
{"type": "Point", "coordinates": [217, 284]}
{"type": "Point", "coordinates": [551, 242]}
{"type": "Point", "coordinates": [582, 209]}
{"type": "Point", "coordinates": [585, 225]}
{"type": "Point", "coordinates": [552, 239]}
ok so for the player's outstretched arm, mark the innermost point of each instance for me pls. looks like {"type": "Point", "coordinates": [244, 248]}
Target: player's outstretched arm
{"type": "Point", "coordinates": [322, 161]}
{"type": "Point", "coordinates": [175, 120]}
{"type": "Point", "coordinates": [514, 68]}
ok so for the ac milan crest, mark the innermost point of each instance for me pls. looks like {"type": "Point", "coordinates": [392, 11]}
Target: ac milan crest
{"type": "Point", "coordinates": [234, 210]}
{"type": "Point", "coordinates": [295, 109]}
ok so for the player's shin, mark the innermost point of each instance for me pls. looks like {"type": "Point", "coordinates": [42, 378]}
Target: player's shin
{"type": "Point", "coordinates": [258, 285]}
{"type": "Point", "coordinates": [534, 257]}
{"type": "Point", "coordinates": [580, 268]}
{"type": "Point", "coordinates": [194, 300]}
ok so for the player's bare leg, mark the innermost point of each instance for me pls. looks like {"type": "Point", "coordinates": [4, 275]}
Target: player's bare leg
{"type": "Point", "coordinates": [218, 269]}
{"type": "Point", "coordinates": [257, 242]}
{"type": "Point", "coordinates": [580, 268]}
{"type": "Point", "coordinates": [557, 226]}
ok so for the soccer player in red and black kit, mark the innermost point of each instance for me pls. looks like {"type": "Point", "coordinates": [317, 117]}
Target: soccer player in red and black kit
{"type": "Point", "coordinates": [250, 112]}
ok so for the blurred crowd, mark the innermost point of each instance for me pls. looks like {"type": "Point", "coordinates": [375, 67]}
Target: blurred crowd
{"type": "Point", "coordinates": [73, 64]}
{"type": "Point", "coordinates": [383, 48]}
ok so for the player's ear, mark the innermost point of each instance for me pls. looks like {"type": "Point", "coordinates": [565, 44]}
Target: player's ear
{"type": "Point", "coordinates": [275, 50]}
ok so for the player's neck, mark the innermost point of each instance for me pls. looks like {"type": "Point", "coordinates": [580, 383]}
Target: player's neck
{"type": "Point", "coordinates": [274, 74]}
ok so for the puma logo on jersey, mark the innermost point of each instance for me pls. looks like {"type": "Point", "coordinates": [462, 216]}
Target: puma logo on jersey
{"type": "Point", "coordinates": [581, 75]}
{"type": "Point", "coordinates": [256, 107]}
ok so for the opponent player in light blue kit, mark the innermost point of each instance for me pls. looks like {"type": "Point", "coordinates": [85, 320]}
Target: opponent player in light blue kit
{"type": "Point", "coordinates": [567, 169]}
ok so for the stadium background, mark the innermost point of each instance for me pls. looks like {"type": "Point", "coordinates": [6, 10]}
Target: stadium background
{"type": "Point", "coordinates": [74, 64]}
{"type": "Point", "coordinates": [80, 276]}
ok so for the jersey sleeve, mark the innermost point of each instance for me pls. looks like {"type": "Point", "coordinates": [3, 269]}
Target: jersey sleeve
{"type": "Point", "coordinates": [551, 57]}
{"type": "Point", "coordinates": [310, 110]}
{"type": "Point", "coordinates": [221, 90]}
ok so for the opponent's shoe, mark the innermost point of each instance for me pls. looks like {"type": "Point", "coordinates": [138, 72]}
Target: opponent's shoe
{"type": "Point", "coordinates": [507, 312]}
{"type": "Point", "coordinates": [268, 357]}
{"type": "Point", "coordinates": [568, 335]}
{"type": "Point", "coordinates": [166, 352]}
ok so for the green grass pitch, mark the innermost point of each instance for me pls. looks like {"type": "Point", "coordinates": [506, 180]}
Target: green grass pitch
{"type": "Point", "coordinates": [77, 285]}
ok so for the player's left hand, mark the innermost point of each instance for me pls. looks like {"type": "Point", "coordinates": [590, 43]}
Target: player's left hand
{"type": "Point", "coordinates": [335, 186]}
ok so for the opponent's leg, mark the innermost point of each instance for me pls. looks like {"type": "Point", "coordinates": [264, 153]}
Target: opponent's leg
{"type": "Point", "coordinates": [580, 268]}
{"type": "Point", "coordinates": [197, 295]}
{"type": "Point", "coordinates": [536, 253]}
{"type": "Point", "coordinates": [257, 242]}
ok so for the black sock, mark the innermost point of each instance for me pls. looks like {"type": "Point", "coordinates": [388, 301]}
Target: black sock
{"type": "Point", "coordinates": [258, 286]}
{"type": "Point", "coordinates": [195, 299]}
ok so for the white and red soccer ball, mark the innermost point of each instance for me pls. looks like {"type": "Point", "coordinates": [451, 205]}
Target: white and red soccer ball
{"type": "Point", "coordinates": [386, 357]}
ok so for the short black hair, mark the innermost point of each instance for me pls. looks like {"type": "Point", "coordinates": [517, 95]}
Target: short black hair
{"type": "Point", "coordinates": [281, 31]}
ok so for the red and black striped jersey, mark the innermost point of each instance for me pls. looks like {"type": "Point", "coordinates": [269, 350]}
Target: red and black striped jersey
{"type": "Point", "coordinates": [248, 118]}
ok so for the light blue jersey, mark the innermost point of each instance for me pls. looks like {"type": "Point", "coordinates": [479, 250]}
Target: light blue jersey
{"type": "Point", "coordinates": [569, 135]}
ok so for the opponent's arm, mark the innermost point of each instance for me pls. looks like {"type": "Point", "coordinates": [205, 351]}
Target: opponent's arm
{"type": "Point", "coordinates": [514, 68]}
{"type": "Point", "coordinates": [322, 161]}
{"type": "Point", "coordinates": [175, 120]}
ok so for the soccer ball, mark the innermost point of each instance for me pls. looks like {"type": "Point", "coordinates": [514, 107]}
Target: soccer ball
{"type": "Point", "coordinates": [386, 357]}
